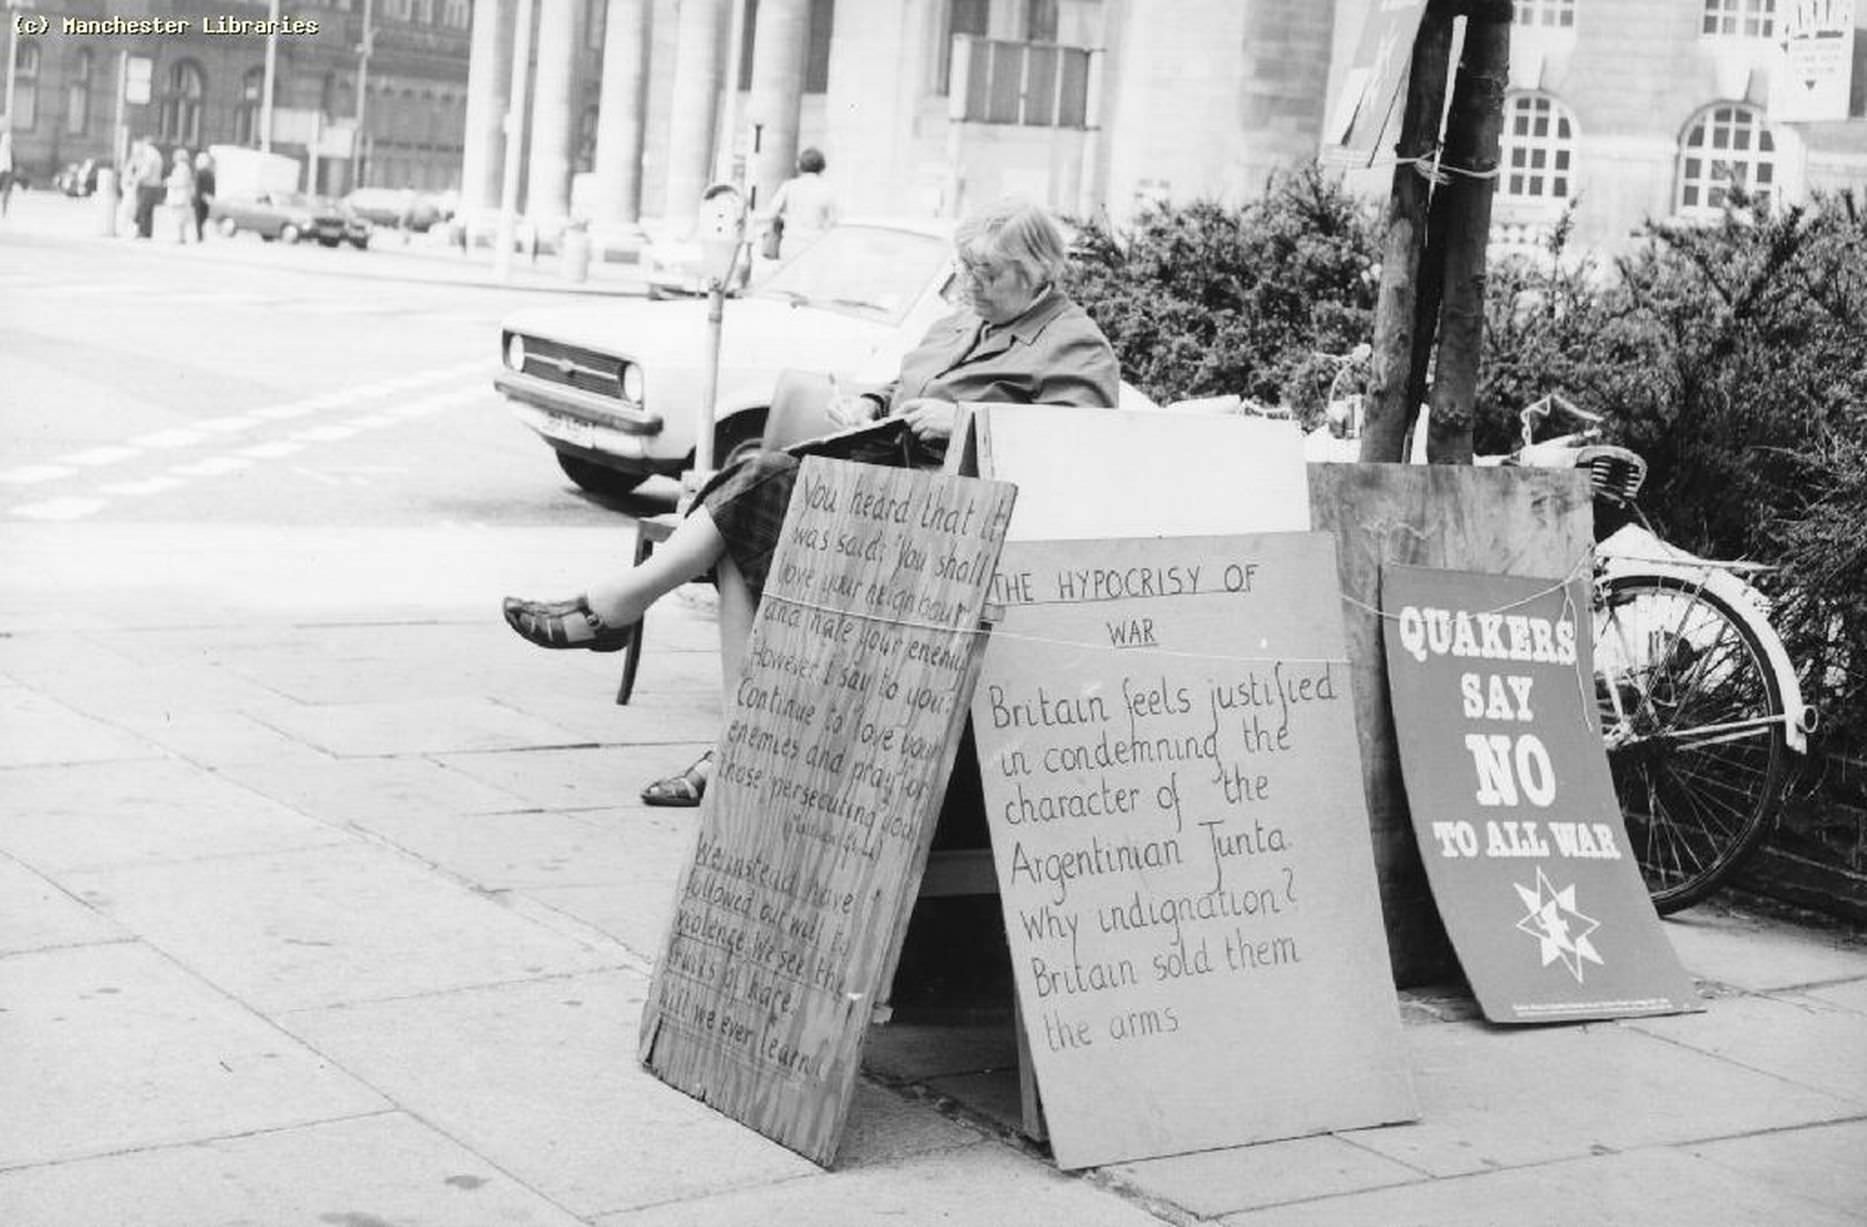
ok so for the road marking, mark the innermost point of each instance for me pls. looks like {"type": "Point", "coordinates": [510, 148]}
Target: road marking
{"type": "Point", "coordinates": [178, 476]}
{"type": "Point", "coordinates": [213, 466]}
{"type": "Point", "coordinates": [32, 474]}
{"type": "Point", "coordinates": [108, 454]}
{"type": "Point", "coordinates": [60, 508]}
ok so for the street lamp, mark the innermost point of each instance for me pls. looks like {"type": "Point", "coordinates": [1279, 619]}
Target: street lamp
{"type": "Point", "coordinates": [12, 57]}
{"type": "Point", "coordinates": [272, 72]}
{"type": "Point", "coordinates": [363, 75]}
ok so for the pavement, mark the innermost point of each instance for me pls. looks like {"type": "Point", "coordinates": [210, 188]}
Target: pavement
{"type": "Point", "coordinates": [325, 900]}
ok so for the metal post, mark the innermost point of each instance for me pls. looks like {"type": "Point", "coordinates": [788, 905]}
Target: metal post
{"type": "Point", "coordinates": [363, 77]}
{"type": "Point", "coordinates": [121, 141]}
{"type": "Point", "coordinates": [272, 71]}
{"type": "Point", "coordinates": [12, 55]}
{"type": "Point", "coordinates": [515, 140]}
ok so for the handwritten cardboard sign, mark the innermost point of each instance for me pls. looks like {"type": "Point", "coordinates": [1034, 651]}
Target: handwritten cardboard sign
{"type": "Point", "coordinates": [1494, 694]}
{"type": "Point", "coordinates": [1167, 749]}
{"type": "Point", "coordinates": [838, 741]}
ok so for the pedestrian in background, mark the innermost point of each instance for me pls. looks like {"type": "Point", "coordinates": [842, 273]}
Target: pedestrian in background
{"type": "Point", "coordinates": [203, 192]}
{"type": "Point", "coordinates": [145, 173]}
{"type": "Point", "coordinates": [6, 170]}
{"type": "Point", "coordinates": [178, 200]}
{"type": "Point", "coordinates": [802, 208]}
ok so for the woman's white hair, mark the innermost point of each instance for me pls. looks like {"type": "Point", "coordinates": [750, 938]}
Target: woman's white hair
{"type": "Point", "coordinates": [1017, 233]}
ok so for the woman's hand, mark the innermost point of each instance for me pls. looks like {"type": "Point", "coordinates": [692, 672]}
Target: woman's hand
{"type": "Point", "coordinates": [849, 411]}
{"type": "Point", "coordinates": [929, 418]}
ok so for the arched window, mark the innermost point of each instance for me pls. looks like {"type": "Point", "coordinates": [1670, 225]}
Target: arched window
{"type": "Point", "coordinates": [180, 115]}
{"type": "Point", "coordinates": [78, 94]}
{"type": "Point", "coordinates": [1725, 145]}
{"type": "Point", "coordinates": [246, 114]}
{"type": "Point", "coordinates": [1538, 149]}
{"type": "Point", "coordinates": [1555, 14]}
{"type": "Point", "coordinates": [1739, 18]}
{"type": "Point", "coordinates": [26, 86]}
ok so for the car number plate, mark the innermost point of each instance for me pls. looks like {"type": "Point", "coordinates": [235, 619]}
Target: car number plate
{"type": "Point", "coordinates": [571, 430]}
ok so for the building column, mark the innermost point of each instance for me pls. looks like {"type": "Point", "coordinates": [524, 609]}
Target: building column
{"type": "Point", "coordinates": [619, 127]}
{"type": "Point", "coordinates": [700, 30]}
{"type": "Point", "coordinates": [547, 186]}
{"type": "Point", "coordinates": [780, 48]}
{"type": "Point", "coordinates": [489, 80]}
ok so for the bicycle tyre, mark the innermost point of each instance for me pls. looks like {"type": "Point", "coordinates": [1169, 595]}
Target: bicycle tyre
{"type": "Point", "coordinates": [1673, 659]}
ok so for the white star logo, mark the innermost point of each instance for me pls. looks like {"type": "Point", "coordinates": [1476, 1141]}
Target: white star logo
{"type": "Point", "coordinates": [1561, 931]}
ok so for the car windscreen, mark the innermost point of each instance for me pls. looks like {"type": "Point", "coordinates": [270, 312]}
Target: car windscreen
{"type": "Point", "coordinates": [871, 272]}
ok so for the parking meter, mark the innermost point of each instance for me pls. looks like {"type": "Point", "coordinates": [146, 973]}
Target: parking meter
{"type": "Point", "coordinates": [719, 231]}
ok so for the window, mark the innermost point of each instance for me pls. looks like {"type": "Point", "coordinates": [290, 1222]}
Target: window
{"type": "Point", "coordinates": [1740, 18]}
{"type": "Point", "coordinates": [1040, 21]}
{"type": "Point", "coordinates": [1553, 14]}
{"type": "Point", "coordinates": [26, 86]}
{"type": "Point", "coordinates": [398, 10]}
{"type": "Point", "coordinates": [1037, 85]}
{"type": "Point", "coordinates": [962, 17]}
{"type": "Point", "coordinates": [246, 113]}
{"type": "Point", "coordinates": [179, 118]}
{"type": "Point", "coordinates": [457, 13]}
{"type": "Point", "coordinates": [78, 94]}
{"type": "Point", "coordinates": [1538, 147]}
{"type": "Point", "coordinates": [1726, 145]}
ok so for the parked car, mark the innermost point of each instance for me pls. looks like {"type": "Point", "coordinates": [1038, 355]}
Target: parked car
{"type": "Point", "coordinates": [396, 208]}
{"type": "Point", "coordinates": [289, 217]}
{"type": "Point", "coordinates": [615, 388]}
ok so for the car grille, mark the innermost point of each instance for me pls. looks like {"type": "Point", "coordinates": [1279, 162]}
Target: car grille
{"type": "Point", "coordinates": [584, 369]}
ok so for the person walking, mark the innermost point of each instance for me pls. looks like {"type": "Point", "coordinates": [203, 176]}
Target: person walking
{"type": "Point", "coordinates": [203, 192]}
{"type": "Point", "coordinates": [6, 170]}
{"type": "Point", "coordinates": [178, 198]}
{"type": "Point", "coordinates": [802, 208]}
{"type": "Point", "coordinates": [145, 172]}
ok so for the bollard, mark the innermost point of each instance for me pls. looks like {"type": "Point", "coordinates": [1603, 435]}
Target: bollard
{"type": "Point", "coordinates": [574, 252]}
{"type": "Point", "coordinates": [106, 202]}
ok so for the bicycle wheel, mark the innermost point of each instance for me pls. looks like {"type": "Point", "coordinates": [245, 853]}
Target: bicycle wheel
{"type": "Point", "coordinates": [1692, 716]}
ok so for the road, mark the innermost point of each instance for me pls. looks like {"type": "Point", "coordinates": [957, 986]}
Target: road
{"type": "Point", "coordinates": [240, 382]}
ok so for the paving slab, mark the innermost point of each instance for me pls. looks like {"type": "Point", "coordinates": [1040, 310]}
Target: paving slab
{"type": "Point", "coordinates": [541, 1080]}
{"type": "Point", "coordinates": [1849, 995]}
{"type": "Point", "coordinates": [1216, 1182]}
{"type": "Point", "coordinates": [652, 719]}
{"type": "Point", "coordinates": [885, 1126]}
{"type": "Point", "coordinates": [416, 726]}
{"type": "Point", "coordinates": [370, 1171]}
{"type": "Point", "coordinates": [113, 1047]}
{"type": "Point", "coordinates": [37, 914]}
{"type": "Point", "coordinates": [918, 1052]}
{"type": "Point", "coordinates": [324, 926]}
{"type": "Point", "coordinates": [1511, 1097]}
{"type": "Point", "coordinates": [577, 779]}
{"type": "Point", "coordinates": [634, 915]}
{"type": "Point", "coordinates": [1654, 1188]}
{"type": "Point", "coordinates": [71, 818]}
{"type": "Point", "coordinates": [1798, 1038]}
{"type": "Point", "coordinates": [220, 739]}
{"type": "Point", "coordinates": [1758, 955]}
{"type": "Point", "coordinates": [1824, 1164]}
{"type": "Point", "coordinates": [987, 1184]}
{"type": "Point", "coordinates": [38, 731]}
{"type": "Point", "coordinates": [341, 791]}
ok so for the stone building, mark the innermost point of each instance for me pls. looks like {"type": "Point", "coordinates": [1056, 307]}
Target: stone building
{"type": "Point", "coordinates": [192, 73]}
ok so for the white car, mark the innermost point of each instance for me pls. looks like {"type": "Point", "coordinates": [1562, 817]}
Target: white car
{"type": "Point", "coordinates": [615, 389]}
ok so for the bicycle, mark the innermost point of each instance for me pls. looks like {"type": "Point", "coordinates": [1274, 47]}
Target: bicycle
{"type": "Point", "coordinates": [1698, 700]}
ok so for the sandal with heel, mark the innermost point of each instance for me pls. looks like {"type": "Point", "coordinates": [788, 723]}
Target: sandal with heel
{"type": "Point", "coordinates": [565, 624]}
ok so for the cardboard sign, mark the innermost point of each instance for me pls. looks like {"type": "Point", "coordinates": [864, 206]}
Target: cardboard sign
{"type": "Point", "coordinates": [1167, 750]}
{"type": "Point", "coordinates": [1125, 473]}
{"type": "Point", "coordinates": [1366, 108]}
{"type": "Point", "coordinates": [1814, 77]}
{"type": "Point", "coordinates": [1494, 694]}
{"type": "Point", "coordinates": [837, 744]}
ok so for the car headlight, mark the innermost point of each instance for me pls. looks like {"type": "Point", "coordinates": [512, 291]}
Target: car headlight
{"type": "Point", "coordinates": [515, 351]}
{"type": "Point", "coordinates": [631, 379]}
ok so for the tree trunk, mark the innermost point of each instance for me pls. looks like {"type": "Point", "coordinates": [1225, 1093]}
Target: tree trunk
{"type": "Point", "coordinates": [1389, 408]}
{"type": "Point", "coordinates": [1472, 130]}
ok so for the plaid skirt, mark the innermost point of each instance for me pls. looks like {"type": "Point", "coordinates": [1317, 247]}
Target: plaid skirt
{"type": "Point", "coordinates": [748, 502]}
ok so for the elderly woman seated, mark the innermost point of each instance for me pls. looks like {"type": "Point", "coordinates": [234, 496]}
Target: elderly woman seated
{"type": "Point", "coordinates": [1018, 338]}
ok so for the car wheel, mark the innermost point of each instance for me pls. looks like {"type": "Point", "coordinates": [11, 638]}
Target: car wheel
{"type": "Point", "coordinates": [598, 479]}
{"type": "Point", "coordinates": [288, 233]}
{"type": "Point", "coordinates": [229, 227]}
{"type": "Point", "coordinates": [738, 437]}
{"type": "Point", "coordinates": [360, 244]}
{"type": "Point", "coordinates": [329, 242]}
